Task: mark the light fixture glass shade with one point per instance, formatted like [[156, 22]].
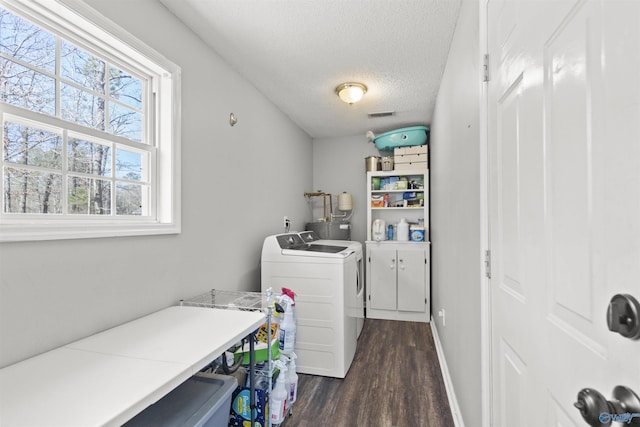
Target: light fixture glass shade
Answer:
[[351, 92]]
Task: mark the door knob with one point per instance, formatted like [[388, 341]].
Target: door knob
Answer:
[[597, 411], [591, 403], [623, 316]]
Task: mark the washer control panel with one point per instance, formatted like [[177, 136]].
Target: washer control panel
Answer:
[[290, 241]]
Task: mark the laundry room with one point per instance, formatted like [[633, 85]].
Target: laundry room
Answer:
[[235, 168]]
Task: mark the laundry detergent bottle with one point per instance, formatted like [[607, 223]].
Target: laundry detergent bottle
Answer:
[[403, 230]]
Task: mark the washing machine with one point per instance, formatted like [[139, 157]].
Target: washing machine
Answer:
[[356, 301], [321, 277]]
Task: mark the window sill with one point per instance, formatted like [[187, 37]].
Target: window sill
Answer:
[[91, 229]]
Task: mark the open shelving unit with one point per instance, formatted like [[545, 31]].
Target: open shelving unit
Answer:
[[398, 272], [245, 301], [392, 213]]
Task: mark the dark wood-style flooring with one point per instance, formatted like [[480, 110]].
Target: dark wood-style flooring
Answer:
[[394, 380]]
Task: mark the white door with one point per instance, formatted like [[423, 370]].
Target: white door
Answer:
[[564, 185], [412, 272], [383, 277]]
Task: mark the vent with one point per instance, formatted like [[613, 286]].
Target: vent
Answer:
[[382, 114]]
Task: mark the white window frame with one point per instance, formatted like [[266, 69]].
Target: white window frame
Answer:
[[77, 22]]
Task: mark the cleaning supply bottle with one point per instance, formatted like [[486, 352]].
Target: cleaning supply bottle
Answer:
[[287, 380], [292, 296], [287, 332], [293, 378], [279, 396], [403, 230], [287, 302]]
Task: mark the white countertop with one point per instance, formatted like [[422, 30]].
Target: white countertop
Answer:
[[108, 378]]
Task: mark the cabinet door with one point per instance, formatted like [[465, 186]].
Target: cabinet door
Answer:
[[383, 278], [412, 279]]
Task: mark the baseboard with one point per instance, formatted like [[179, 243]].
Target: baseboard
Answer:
[[448, 384]]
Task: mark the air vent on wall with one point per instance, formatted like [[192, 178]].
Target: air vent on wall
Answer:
[[382, 114]]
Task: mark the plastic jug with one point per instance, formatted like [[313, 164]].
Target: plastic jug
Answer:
[[379, 230], [403, 230]]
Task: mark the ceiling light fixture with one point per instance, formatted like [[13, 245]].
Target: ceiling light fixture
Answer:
[[351, 92]]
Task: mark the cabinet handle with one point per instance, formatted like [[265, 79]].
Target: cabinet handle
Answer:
[[401, 264], [393, 264]]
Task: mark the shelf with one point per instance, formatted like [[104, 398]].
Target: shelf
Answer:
[[409, 190], [403, 242], [399, 173], [237, 300], [401, 208], [415, 208], [242, 301]]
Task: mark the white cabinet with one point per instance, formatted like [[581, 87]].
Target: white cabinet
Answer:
[[398, 271], [398, 281]]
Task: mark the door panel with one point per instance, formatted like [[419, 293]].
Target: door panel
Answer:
[[512, 352], [411, 279], [513, 371], [509, 209], [383, 278], [558, 416], [570, 72], [564, 187]]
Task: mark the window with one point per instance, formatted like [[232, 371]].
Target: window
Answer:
[[89, 124]]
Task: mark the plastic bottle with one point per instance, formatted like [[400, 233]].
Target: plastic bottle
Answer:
[[288, 297], [287, 380], [403, 230], [293, 379], [279, 396], [287, 332]]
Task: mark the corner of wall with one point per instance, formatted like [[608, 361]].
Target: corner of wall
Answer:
[[456, 212]]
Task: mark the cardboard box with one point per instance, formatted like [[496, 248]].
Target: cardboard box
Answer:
[[260, 351], [377, 201]]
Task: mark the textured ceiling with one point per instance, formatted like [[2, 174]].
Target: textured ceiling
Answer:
[[297, 51]]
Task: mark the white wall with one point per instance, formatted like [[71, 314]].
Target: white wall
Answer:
[[237, 184], [455, 213], [338, 165]]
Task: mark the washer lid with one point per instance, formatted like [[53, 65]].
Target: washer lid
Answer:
[[325, 248], [293, 244]]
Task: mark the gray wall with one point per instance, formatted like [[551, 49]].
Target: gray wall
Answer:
[[235, 191], [455, 213], [338, 165]]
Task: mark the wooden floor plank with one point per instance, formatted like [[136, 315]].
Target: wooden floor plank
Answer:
[[394, 380]]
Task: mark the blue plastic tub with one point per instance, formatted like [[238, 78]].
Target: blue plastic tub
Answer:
[[405, 137]]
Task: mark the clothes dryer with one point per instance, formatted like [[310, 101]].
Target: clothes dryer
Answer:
[[355, 297]]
